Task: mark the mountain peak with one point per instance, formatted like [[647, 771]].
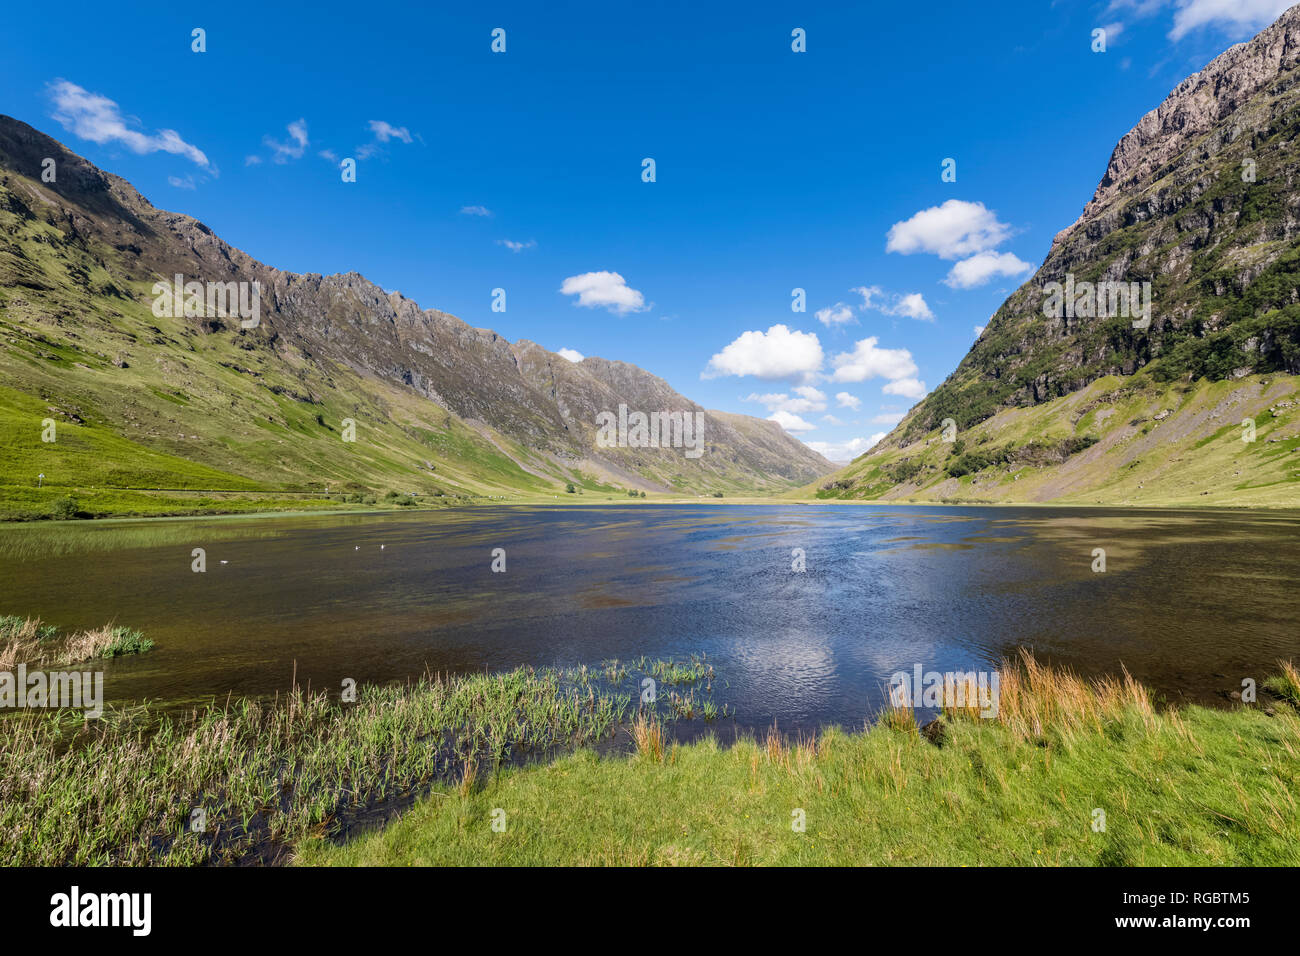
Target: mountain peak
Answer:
[[1197, 105]]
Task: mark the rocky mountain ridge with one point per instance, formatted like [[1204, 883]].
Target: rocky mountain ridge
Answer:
[[78, 260]]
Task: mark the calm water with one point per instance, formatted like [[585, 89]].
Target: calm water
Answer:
[[1190, 602]]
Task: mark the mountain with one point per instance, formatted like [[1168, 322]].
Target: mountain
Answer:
[[156, 413], [1201, 201]]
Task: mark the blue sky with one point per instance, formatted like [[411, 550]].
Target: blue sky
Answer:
[[523, 170]]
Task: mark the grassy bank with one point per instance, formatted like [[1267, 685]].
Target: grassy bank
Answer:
[[1190, 787], [582, 774], [244, 781]]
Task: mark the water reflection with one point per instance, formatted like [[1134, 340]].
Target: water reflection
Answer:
[[1190, 602]]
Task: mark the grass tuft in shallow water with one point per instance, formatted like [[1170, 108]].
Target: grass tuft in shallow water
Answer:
[[28, 641]]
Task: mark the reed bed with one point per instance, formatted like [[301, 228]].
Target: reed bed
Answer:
[[242, 781], [25, 640]]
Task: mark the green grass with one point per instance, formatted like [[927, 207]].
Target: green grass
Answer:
[[1286, 684], [1193, 787], [1102, 445], [126, 640], [124, 789]]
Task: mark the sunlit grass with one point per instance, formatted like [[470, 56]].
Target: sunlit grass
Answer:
[[264, 775], [1070, 773]]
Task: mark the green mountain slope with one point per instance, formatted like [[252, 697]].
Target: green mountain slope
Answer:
[[1200, 200], [153, 414]]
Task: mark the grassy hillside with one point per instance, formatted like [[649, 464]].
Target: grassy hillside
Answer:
[[156, 415], [1118, 441]]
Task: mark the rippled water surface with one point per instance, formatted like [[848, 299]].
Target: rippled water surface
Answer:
[[1190, 603]]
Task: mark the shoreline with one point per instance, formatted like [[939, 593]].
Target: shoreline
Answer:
[[420, 772], [709, 502]]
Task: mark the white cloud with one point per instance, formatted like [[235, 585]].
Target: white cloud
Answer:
[[951, 231], [906, 387], [98, 119], [887, 418], [283, 152], [329, 154], [979, 330], [980, 268], [517, 246], [1237, 16], [383, 132], [179, 183], [832, 420], [252, 160], [845, 400], [808, 399], [790, 422], [778, 353], [867, 361], [913, 306], [386, 131], [869, 292], [838, 314], [607, 290], [475, 211], [573, 355], [844, 451]]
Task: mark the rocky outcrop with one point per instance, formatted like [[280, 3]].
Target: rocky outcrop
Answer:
[[1201, 199]]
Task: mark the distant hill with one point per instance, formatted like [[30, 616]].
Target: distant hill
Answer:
[[201, 413]]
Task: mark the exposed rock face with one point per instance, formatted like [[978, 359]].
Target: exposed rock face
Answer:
[[111, 242], [1197, 105], [1202, 200]]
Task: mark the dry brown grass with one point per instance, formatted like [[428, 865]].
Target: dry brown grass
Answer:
[[649, 736], [1033, 697], [1287, 683], [86, 645], [900, 718], [27, 641], [20, 643], [794, 756]]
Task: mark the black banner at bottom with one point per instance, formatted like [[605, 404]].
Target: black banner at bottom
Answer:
[[334, 906]]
